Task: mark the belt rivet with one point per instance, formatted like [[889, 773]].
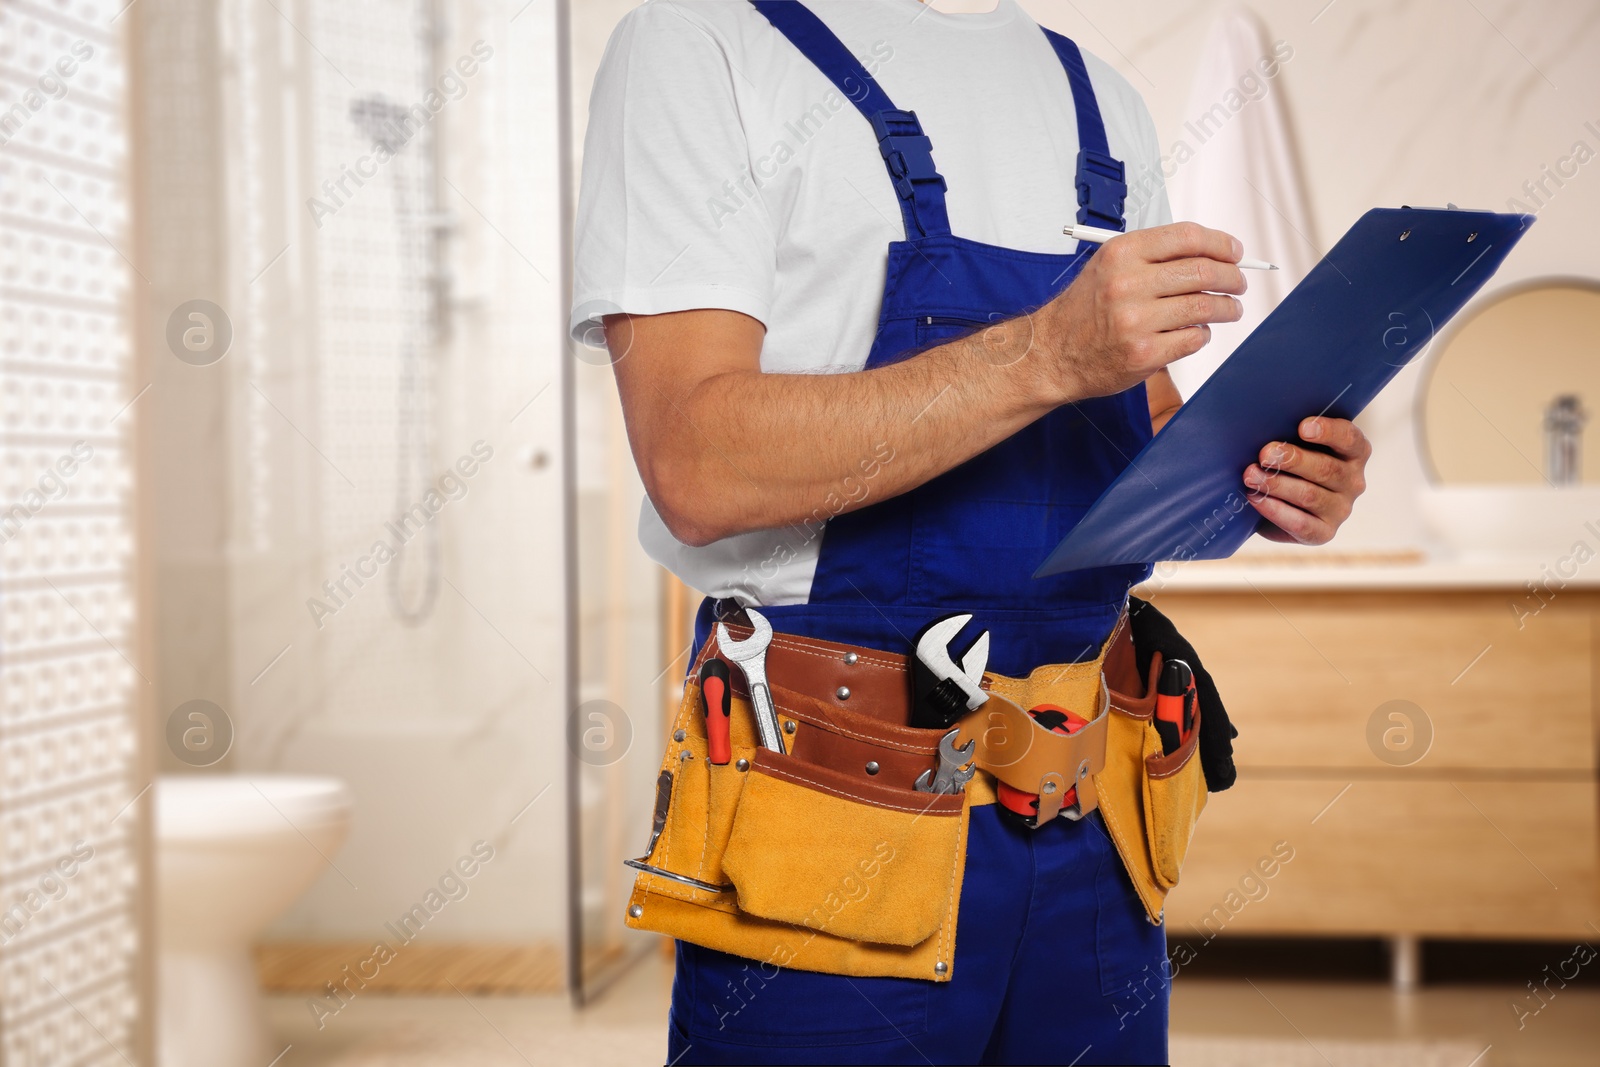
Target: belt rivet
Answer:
[[1048, 787], [850, 659], [685, 755], [941, 967], [678, 735], [636, 911], [788, 727], [872, 767], [743, 765], [843, 692]]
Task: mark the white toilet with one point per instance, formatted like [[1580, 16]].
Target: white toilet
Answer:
[[233, 851]]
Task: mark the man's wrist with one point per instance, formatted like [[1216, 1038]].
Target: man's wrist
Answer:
[[1003, 367], [1018, 349]]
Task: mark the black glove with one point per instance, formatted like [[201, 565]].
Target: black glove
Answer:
[[1153, 632]]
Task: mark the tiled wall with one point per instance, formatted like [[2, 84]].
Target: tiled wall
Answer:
[[72, 949]]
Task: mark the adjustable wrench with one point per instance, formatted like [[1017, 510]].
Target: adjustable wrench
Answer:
[[751, 656], [942, 690]]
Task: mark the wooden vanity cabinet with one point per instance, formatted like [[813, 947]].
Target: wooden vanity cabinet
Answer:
[[1487, 828]]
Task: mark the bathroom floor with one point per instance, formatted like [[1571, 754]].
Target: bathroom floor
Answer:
[[1215, 1022]]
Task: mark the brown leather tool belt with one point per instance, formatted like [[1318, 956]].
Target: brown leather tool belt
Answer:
[[852, 706]]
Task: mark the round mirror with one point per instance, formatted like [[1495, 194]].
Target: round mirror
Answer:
[[1497, 404]]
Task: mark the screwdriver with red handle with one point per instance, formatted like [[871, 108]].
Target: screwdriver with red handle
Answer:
[[1175, 695], [718, 705]]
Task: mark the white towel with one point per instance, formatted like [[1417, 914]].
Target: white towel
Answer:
[[1244, 177]]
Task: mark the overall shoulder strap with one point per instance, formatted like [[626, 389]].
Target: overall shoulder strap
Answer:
[[907, 153], [1101, 180]]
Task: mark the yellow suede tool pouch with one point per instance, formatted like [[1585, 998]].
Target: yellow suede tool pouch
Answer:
[[814, 847], [1174, 793], [1150, 800], [822, 858]]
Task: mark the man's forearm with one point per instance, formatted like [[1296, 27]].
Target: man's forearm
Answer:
[[766, 450], [724, 448]]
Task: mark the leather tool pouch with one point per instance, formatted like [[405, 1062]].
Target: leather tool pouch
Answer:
[[1150, 800], [815, 847], [1174, 793], [824, 858]]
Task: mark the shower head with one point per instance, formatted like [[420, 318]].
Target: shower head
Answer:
[[380, 119]]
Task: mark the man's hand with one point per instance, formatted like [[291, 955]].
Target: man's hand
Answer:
[[1143, 300], [1305, 494]]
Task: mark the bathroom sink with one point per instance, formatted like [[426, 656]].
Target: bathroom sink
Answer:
[[1499, 522]]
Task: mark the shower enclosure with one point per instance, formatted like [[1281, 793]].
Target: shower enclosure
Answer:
[[368, 578]]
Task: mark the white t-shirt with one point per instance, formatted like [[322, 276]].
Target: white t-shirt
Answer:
[[723, 170]]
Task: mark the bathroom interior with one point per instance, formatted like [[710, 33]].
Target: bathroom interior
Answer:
[[334, 678]]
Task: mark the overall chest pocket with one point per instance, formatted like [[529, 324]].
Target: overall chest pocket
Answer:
[[935, 329], [978, 531], [988, 502]]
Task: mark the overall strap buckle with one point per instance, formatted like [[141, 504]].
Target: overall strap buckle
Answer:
[[908, 154], [1102, 190]]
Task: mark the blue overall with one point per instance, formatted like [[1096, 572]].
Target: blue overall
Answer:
[[1055, 962]]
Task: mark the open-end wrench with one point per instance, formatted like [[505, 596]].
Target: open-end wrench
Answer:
[[751, 656], [956, 767]]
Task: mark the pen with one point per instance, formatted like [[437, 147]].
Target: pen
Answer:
[[1096, 235]]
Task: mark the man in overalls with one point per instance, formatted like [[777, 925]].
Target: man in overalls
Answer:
[[857, 443]]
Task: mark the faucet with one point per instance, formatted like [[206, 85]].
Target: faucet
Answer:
[[1563, 439]]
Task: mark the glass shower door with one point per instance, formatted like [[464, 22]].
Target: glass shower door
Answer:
[[627, 617]]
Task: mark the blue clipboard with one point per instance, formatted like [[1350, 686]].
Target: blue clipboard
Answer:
[[1366, 310]]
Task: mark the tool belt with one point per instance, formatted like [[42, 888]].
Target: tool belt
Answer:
[[827, 857]]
